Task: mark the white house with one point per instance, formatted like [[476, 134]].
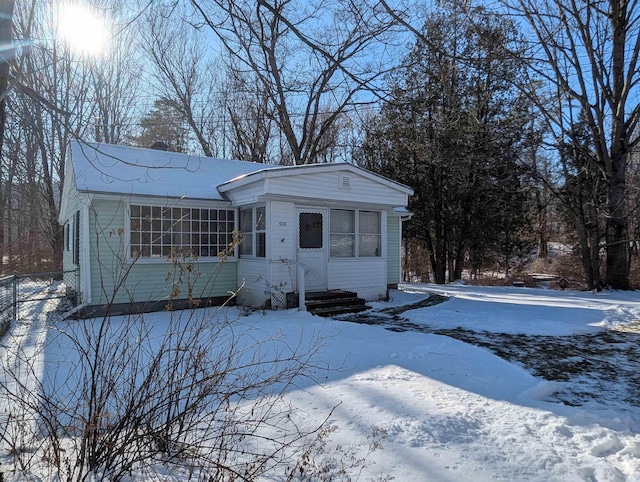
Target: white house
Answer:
[[144, 226]]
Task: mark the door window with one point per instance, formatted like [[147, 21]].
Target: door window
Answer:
[[310, 230]]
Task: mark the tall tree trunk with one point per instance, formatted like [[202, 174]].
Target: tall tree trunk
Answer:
[[617, 228], [438, 260], [595, 258], [6, 40], [586, 255], [618, 222], [459, 262]]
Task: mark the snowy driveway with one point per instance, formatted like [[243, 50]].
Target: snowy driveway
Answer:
[[601, 367]]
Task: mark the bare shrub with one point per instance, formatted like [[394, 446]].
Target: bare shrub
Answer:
[[570, 267], [195, 391], [196, 394]]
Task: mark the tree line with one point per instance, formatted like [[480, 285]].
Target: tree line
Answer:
[[515, 121]]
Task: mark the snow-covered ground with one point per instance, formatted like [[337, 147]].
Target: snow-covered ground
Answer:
[[453, 411]]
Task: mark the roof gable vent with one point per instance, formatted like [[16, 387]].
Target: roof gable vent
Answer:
[[344, 182]]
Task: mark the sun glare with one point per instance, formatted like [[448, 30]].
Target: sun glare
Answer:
[[82, 29]]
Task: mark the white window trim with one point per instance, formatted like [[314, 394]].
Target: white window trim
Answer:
[[254, 232], [356, 248]]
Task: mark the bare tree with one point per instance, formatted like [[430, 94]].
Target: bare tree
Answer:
[[186, 75], [311, 63], [587, 53], [6, 57], [7, 51], [115, 79], [55, 94], [251, 117], [50, 99]]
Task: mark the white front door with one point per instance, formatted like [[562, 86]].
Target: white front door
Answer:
[[312, 247]]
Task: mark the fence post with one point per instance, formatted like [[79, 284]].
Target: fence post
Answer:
[[77, 286], [302, 305], [15, 296]]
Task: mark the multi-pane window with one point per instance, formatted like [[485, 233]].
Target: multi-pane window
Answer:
[[161, 232], [369, 233], [260, 231], [246, 228], [343, 233], [349, 225], [253, 229]]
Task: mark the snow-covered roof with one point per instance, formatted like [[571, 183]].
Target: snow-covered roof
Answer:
[[114, 169]]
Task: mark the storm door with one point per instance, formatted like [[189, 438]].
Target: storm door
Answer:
[[312, 247]]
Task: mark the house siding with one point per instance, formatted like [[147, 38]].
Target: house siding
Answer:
[[365, 276], [269, 279], [325, 186], [253, 281], [282, 256], [393, 250], [115, 279], [283, 235], [73, 205]]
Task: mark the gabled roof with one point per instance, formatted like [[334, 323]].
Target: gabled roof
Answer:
[[114, 169], [121, 170], [282, 171]]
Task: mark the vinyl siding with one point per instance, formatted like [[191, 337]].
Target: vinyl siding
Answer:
[[326, 187], [253, 279], [73, 205], [282, 226], [320, 186], [365, 276], [393, 249], [114, 278]]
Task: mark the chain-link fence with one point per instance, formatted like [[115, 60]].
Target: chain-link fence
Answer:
[[8, 302], [22, 288]]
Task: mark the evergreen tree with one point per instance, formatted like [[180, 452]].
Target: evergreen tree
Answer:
[[163, 124], [451, 129]]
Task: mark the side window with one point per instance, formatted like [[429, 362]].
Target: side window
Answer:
[[355, 233], [254, 234], [369, 234], [67, 236], [246, 228], [343, 233], [76, 238], [261, 233], [164, 232]]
